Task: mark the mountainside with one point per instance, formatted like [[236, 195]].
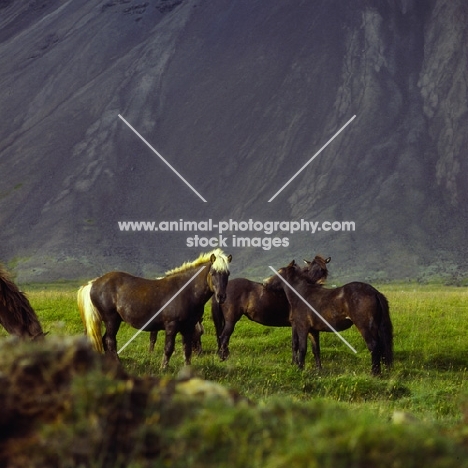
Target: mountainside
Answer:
[[237, 96]]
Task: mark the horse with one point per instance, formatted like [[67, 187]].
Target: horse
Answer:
[[355, 303], [16, 314], [174, 303], [265, 306]]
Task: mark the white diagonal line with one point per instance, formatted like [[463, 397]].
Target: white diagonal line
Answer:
[[313, 310], [312, 158], [162, 159], [160, 310]]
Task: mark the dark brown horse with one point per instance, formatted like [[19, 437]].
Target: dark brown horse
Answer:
[[16, 314], [354, 303], [174, 303], [265, 306]]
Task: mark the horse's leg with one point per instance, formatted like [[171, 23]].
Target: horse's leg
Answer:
[[169, 345], [109, 340], [376, 356], [370, 335], [315, 341], [153, 338], [228, 329], [295, 346], [187, 337], [301, 345], [218, 320], [196, 340]]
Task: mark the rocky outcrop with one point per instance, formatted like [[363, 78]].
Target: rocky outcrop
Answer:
[[443, 84], [237, 98]]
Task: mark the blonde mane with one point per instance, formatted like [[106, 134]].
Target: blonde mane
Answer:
[[221, 263]]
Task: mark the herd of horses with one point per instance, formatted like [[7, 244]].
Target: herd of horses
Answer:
[[175, 303]]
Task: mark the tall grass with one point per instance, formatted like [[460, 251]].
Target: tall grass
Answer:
[[429, 377], [344, 412]]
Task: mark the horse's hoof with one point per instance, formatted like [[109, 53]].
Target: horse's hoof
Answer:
[[222, 357]]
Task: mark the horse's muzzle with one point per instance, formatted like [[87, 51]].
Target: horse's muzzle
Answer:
[[220, 298]]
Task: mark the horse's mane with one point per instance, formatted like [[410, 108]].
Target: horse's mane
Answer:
[[221, 263], [9, 292], [17, 304]]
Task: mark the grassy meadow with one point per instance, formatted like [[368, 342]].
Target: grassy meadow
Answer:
[[340, 408]]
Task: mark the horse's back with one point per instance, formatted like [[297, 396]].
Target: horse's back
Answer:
[[106, 287], [360, 288], [132, 297], [238, 291], [357, 291], [365, 302], [261, 305], [117, 279], [241, 285], [348, 301]]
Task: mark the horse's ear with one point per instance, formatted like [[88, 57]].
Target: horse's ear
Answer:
[[327, 260], [213, 258], [293, 263], [229, 258]]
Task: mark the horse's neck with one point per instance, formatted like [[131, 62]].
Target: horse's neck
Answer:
[[200, 285], [266, 290], [304, 287]]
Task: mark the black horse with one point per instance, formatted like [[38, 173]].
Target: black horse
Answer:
[[354, 303], [174, 303], [16, 314], [265, 306]]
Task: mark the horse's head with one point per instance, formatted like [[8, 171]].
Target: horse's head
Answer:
[[275, 283], [39, 337], [316, 270], [219, 274]]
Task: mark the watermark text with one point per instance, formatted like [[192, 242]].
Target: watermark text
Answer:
[[202, 230]]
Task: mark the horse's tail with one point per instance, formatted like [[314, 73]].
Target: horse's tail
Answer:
[[90, 316], [218, 318], [385, 331]]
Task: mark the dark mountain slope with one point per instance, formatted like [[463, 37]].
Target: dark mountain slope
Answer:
[[237, 96]]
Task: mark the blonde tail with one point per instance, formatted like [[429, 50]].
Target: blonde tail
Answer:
[[90, 316]]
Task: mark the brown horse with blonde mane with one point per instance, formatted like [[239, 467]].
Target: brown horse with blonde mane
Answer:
[[16, 314], [174, 303]]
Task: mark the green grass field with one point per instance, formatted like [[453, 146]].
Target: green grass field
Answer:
[[429, 378], [428, 383]]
